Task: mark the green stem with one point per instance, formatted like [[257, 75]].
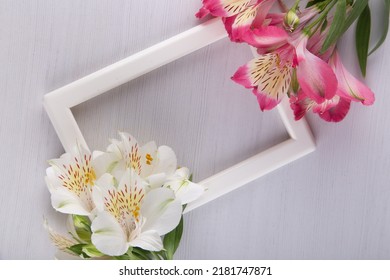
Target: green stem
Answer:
[[320, 19], [157, 256], [296, 5]]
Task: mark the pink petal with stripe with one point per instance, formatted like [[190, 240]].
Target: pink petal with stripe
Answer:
[[266, 37], [333, 110], [238, 25], [315, 76], [263, 12], [350, 87], [300, 104], [268, 76]]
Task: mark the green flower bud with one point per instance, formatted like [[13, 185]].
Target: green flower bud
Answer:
[[91, 251], [81, 221], [82, 227], [291, 20]]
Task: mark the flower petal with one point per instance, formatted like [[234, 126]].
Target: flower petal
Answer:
[[131, 152], [185, 190], [315, 43], [129, 196], [265, 102], [266, 37], [116, 147], [51, 179], [245, 74], [148, 158], [300, 104], [108, 236], [148, 240], [161, 210], [268, 77], [315, 76], [104, 162], [181, 173], [70, 180], [105, 180], [202, 13], [103, 187], [335, 111], [263, 12], [350, 87], [156, 180], [238, 25], [167, 162], [67, 202], [222, 8]]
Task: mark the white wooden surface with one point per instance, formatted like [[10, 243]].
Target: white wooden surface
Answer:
[[332, 204]]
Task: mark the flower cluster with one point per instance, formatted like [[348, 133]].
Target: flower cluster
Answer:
[[122, 201], [297, 56]]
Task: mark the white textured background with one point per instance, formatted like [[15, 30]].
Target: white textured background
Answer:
[[332, 204]]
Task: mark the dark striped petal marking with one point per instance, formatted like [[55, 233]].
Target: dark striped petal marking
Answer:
[[269, 76]]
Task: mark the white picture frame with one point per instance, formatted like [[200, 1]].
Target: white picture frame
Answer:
[[58, 104]]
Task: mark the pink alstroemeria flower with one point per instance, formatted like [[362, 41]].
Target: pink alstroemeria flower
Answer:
[[334, 110], [270, 74], [245, 16]]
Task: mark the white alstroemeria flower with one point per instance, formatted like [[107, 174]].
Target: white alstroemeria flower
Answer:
[[184, 189], [70, 180], [153, 164], [130, 216]]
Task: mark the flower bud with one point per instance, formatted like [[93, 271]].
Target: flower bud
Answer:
[[81, 222], [291, 20], [91, 251]]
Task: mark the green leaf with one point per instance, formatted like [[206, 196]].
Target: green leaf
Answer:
[[363, 29], [139, 254], [122, 257], [78, 250], [172, 240], [335, 30], [357, 9], [385, 26], [324, 25]]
